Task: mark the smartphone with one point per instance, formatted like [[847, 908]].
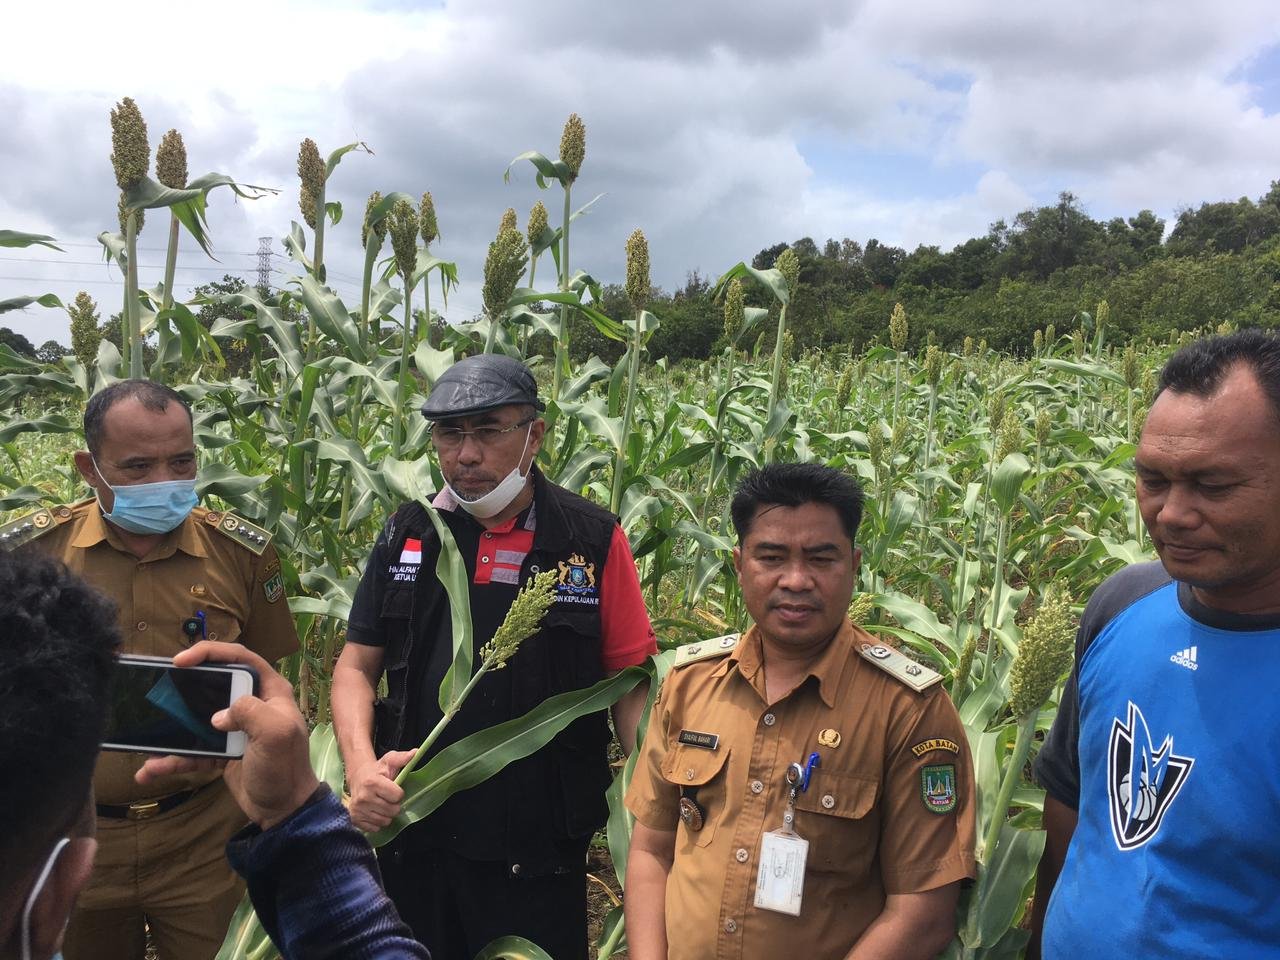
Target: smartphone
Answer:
[[156, 707]]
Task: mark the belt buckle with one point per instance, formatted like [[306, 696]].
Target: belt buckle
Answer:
[[143, 809]]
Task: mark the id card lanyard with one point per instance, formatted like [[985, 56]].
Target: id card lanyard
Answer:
[[780, 881]]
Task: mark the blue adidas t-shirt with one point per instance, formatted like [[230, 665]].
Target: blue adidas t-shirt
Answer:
[[1165, 745]]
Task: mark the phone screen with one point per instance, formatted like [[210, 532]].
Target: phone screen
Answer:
[[157, 707]]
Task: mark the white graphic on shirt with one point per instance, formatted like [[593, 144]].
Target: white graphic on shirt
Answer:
[[1186, 658], [1142, 782]]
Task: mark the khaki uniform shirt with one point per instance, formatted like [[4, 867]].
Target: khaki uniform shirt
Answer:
[[195, 567], [889, 809]]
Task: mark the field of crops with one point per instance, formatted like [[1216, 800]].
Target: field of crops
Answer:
[[1000, 490]]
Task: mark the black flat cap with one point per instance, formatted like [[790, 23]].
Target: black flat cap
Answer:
[[476, 384]]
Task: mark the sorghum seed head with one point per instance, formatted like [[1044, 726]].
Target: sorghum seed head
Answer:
[[1102, 313], [573, 145], [403, 227], [967, 349], [637, 270], [427, 220], [1010, 438], [1130, 369], [508, 221], [788, 264], [130, 152], [844, 388], [875, 446], [1044, 423], [995, 411], [123, 215], [537, 222], [171, 161], [932, 365], [1044, 654], [860, 608], [522, 620], [502, 269], [379, 231], [898, 327], [311, 174], [734, 309]]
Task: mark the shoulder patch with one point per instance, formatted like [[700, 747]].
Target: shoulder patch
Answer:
[[248, 535], [31, 526], [899, 666], [704, 650]]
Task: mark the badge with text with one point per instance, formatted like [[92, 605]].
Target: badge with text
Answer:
[[780, 880], [693, 738], [935, 743], [577, 581], [938, 787]]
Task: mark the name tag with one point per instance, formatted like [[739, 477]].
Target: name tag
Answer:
[[693, 738], [780, 881]]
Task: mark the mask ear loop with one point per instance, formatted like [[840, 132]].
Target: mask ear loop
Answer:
[[36, 891]]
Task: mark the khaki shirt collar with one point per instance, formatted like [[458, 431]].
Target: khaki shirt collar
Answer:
[[748, 659], [94, 529]]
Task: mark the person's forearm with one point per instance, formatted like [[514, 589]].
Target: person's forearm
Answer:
[[314, 883], [901, 936], [626, 715], [351, 699], [645, 906]]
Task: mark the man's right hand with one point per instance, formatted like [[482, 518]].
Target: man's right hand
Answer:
[[375, 796]]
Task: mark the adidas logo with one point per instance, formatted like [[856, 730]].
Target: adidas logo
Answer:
[[1186, 658]]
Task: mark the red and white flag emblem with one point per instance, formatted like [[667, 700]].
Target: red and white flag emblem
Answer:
[[412, 552]]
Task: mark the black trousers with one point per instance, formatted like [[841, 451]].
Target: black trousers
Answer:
[[456, 906]]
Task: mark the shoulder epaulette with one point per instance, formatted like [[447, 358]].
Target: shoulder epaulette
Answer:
[[248, 535], [704, 650], [31, 526], [899, 666]]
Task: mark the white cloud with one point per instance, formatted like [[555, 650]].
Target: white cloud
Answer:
[[698, 116]]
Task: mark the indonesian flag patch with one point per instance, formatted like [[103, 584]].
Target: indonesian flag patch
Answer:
[[412, 552]]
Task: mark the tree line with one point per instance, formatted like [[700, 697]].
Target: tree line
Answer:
[[1220, 263]]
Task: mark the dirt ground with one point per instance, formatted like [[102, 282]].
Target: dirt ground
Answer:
[[599, 901]]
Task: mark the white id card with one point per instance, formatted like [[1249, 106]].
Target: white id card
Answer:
[[780, 883]]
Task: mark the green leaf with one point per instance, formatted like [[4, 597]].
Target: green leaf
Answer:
[[15, 238], [51, 424], [477, 757], [326, 759], [21, 303], [546, 169], [770, 279], [451, 571], [221, 480], [1006, 485], [336, 157], [512, 948]]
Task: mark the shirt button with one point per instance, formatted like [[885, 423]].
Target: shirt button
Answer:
[[688, 774], [828, 801], [730, 926], [741, 855], [488, 536], [484, 559], [142, 624], [757, 786], [516, 868], [770, 719]]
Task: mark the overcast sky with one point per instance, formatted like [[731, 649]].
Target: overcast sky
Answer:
[[717, 127]]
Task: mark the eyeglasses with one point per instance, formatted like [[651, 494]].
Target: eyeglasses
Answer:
[[450, 438]]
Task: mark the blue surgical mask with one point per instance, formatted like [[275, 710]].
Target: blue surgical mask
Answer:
[[41, 880], [150, 508]]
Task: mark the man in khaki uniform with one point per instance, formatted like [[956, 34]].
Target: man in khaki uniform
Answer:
[[177, 572], [866, 856]]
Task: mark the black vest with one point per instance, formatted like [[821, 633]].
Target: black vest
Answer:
[[558, 793]]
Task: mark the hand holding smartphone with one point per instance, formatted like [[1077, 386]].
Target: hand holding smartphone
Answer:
[[156, 707], [274, 776]]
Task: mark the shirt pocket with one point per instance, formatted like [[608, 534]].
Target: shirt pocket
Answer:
[[221, 624], [397, 608], [838, 816], [704, 774]]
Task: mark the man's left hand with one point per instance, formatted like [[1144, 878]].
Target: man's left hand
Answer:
[[274, 778]]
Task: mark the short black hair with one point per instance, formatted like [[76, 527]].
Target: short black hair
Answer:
[[58, 639], [155, 397], [793, 485], [1200, 367]]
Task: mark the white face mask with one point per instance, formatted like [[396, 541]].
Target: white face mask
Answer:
[[41, 880], [500, 497]]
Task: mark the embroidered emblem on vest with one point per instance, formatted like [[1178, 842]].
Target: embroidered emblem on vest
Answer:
[[577, 581]]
